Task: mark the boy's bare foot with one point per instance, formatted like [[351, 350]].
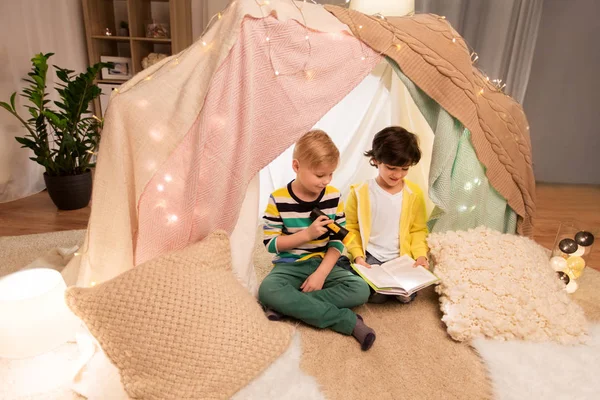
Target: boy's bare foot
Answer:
[[364, 334]]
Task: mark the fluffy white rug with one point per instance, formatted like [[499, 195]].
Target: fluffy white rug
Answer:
[[283, 379], [525, 370], [48, 377]]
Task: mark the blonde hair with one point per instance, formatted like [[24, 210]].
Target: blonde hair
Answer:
[[316, 148]]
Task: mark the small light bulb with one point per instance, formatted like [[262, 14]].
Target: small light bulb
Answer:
[[93, 284], [219, 16], [173, 218], [481, 91], [306, 37], [453, 40], [268, 39], [168, 178], [363, 58], [76, 254], [276, 73], [398, 46], [203, 43], [360, 27], [149, 77], [160, 187]]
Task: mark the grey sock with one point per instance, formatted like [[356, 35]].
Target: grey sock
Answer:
[[378, 298], [364, 334], [273, 315]]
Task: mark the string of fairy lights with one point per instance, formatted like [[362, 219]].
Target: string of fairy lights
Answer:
[[495, 84]]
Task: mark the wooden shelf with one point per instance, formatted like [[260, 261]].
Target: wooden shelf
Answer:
[[111, 81], [100, 15], [118, 38], [154, 40]]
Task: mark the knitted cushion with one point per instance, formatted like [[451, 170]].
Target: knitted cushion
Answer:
[[502, 286], [180, 326]]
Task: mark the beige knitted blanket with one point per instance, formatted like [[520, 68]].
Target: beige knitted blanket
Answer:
[[436, 58]]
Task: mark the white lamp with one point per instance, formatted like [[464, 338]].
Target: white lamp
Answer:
[[34, 317], [389, 8]]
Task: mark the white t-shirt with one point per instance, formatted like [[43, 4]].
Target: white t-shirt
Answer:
[[386, 209]]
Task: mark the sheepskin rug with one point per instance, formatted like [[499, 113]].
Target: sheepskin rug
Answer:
[[501, 286], [524, 370]]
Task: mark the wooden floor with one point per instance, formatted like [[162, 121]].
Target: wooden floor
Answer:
[[555, 203]]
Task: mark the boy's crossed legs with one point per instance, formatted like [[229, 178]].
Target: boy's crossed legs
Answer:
[[326, 308]]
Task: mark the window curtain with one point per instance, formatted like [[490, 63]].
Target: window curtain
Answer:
[[502, 33]]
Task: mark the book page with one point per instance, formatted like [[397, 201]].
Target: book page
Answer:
[[407, 277], [376, 275]]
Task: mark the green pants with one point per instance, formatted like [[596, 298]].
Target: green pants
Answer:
[[325, 308]]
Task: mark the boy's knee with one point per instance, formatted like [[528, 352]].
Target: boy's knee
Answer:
[[268, 290], [360, 289], [264, 291]]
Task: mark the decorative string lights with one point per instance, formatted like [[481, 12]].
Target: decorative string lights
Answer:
[[304, 66], [496, 84]]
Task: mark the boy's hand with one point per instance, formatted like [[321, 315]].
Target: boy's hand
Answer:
[[421, 261], [361, 261], [314, 282], [317, 228]]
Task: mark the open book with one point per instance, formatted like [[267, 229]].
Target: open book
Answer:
[[397, 276]]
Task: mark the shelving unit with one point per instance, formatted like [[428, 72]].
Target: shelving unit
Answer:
[[99, 15]]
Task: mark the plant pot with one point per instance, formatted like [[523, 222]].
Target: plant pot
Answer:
[[70, 192]]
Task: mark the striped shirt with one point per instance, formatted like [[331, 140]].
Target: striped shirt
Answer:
[[286, 214]]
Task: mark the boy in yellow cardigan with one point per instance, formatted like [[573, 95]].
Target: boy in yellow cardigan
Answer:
[[387, 214]]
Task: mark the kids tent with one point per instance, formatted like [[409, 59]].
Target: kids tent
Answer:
[[184, 140]]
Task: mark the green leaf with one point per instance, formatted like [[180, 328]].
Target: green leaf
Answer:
[[6, 106], [26, 142]]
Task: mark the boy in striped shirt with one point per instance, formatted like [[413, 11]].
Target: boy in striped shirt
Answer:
[[306, 283]]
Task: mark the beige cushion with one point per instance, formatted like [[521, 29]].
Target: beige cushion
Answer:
[[180, 326], [502, 286]]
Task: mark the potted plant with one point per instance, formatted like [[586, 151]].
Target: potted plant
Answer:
[[65, 139]]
